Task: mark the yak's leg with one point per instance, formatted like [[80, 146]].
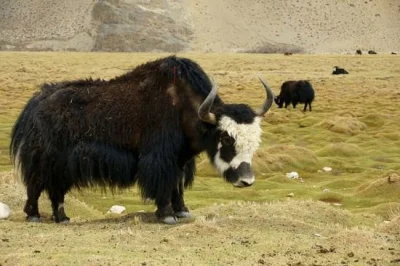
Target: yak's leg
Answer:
[[287, 103], [32, 207], [158, 176], [178, 204], [309, 106], [165, 212], [305, 107], [57, 204]]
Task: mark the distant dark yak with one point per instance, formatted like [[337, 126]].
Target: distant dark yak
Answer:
[[393, 53], [371, 52], [288, 53], [339, 71], [296, 91], [145, 127], [358, 52]]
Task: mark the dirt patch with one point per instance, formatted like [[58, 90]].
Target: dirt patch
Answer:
[[284, 233]]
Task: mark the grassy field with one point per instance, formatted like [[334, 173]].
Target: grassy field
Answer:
[[349, 216]]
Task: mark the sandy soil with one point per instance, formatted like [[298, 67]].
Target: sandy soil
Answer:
[[319, 26]]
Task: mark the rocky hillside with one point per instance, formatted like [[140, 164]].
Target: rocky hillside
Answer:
[[314, 26]]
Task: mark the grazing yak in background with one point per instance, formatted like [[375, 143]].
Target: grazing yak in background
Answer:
[[288, 53], [145, 127], [371, 52], [339, 71], [358, 52], [296, 91], [393, 53]]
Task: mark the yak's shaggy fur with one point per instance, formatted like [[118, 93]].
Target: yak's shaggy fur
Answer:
[[142, 127]]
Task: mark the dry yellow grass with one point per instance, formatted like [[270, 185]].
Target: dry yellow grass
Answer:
[[353, 128]]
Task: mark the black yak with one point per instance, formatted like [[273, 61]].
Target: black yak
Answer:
[[371, 52], [339, 71], [358, 52], [296, 91], [145, 127]]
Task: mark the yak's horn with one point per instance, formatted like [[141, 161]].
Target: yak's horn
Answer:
[[268, 102], [204, 109]]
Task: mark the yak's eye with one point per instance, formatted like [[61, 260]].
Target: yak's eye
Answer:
[[227, 141]]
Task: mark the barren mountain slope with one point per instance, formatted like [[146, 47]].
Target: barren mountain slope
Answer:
[[206, 25]]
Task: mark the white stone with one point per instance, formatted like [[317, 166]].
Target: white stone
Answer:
[[292, 175], [117, 209], [327, 169], [326, 190], [5, 211], [290, 195]]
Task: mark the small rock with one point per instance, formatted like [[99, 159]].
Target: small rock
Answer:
[[337, 204], [326, 190], [117, 209], [5, 211], [261, 261], [317, 235], [290, 195], [323, 250], [292, 175], [327, 169], [351, 254]]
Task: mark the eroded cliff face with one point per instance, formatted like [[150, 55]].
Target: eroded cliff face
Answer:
[[315, 26], [140, 26], [87, 25]]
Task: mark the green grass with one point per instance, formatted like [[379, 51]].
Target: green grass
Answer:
[[353, 128]]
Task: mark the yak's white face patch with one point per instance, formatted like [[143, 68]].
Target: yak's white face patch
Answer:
[[247, 141]]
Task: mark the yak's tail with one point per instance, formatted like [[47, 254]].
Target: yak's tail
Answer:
[[23, 132]]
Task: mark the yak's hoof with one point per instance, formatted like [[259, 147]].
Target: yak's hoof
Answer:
[[183, 214], [33, 219], [63, 220], [169, 220]]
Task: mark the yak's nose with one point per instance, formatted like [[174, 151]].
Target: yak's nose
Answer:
[[244, 182]]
